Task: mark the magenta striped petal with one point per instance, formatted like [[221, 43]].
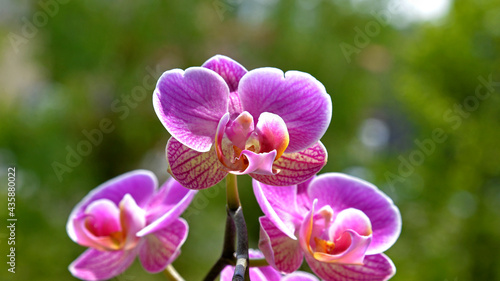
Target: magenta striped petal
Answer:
[[341, 192], [190, 104], [278, 203], [376, 268], [101, 265], [281, 252], [161, 248], [192, 169], [295, 168], [228, 68], [295, 96], [300, 276]]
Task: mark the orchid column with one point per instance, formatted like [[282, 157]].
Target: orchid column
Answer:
[[226, 120]]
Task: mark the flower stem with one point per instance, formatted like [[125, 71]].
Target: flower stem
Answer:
[[172, 274], [235, 228], [232, 196]]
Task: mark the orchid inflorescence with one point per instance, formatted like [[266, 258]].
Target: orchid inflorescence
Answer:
[[226, 121]]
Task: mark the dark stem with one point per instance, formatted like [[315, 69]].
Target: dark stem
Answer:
[[227, 256], [241, 270], [235, 226]]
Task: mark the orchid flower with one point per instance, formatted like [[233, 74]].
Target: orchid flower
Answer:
[[341, 224], [125, 217], [224, 119], [266, 273]]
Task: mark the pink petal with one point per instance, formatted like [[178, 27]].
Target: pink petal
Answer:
[[295, 168], [93, 229], [278, 203], [140, 184], [342, 192], [239, 129], [190, 104], [171, 207], [172, 195], [295, 96], [103, 217], [132, 219], [281, 252], [101, 265], [375, 268], [300, 276], [192, 169], [354, 249], [228, 68], [272, 134], [161, 248], [258, 163]]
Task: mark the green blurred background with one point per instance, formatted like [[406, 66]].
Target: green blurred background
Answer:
[[415, 90]]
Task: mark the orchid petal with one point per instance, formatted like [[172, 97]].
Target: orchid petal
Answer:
[[300, 276], [281, 252], [295, 168], [375, 268], [95, 227], [132, 219], [295, 96], [167, 205], [102, 217], [278, 204], [140, 184], [258, 163], [190, 104], [192, 169], [272, 134], [230, 70], [161, 248], [350, 192], [239, 129], [101, 265]]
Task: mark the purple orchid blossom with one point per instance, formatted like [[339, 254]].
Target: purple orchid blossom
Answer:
[[125, 217], [225, 119], [341, 224], [266, 273]]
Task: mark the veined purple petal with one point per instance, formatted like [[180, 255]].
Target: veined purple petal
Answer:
[[161, 248], [281, 252], [170, 201], [228, 68], [172, 209], [342, 192], [375, 268], [101, 265], [193, 169], [278, 203], [295, 96], [300, 276], [295, 168], [190, 104], [140, 184]]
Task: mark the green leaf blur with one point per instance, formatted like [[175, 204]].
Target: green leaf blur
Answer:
[[416, 111]]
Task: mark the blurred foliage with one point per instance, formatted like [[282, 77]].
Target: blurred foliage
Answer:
[[89, 61]]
